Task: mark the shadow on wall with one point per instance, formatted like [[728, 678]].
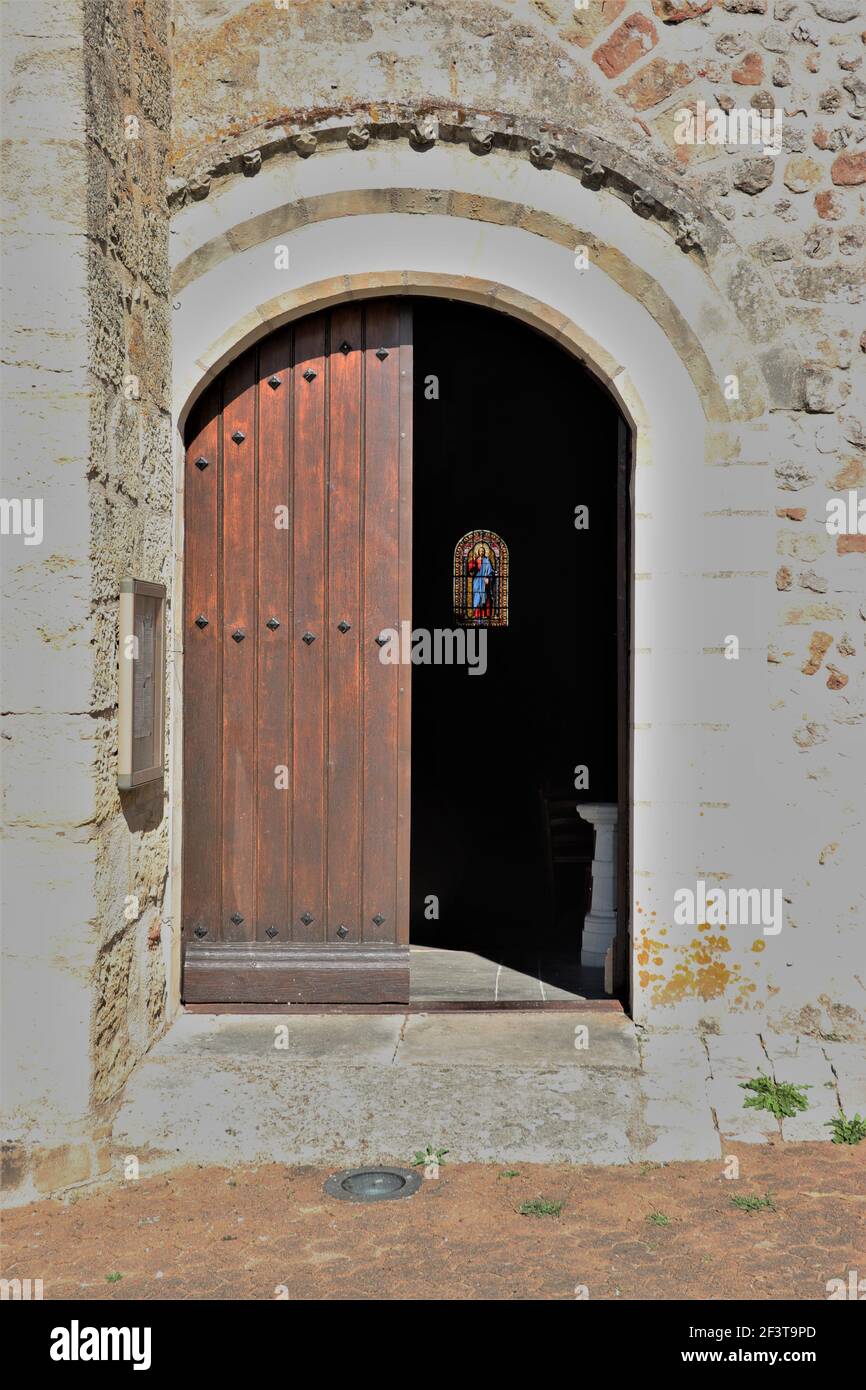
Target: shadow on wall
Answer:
[[143, 807]]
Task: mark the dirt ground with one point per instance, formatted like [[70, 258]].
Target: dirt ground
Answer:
[[637, 1232]]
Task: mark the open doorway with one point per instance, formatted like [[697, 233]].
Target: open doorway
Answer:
[[298, 871], [511, 435]]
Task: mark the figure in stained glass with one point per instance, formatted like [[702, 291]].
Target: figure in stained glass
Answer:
[[481, 580]]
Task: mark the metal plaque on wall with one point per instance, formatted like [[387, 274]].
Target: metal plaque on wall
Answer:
[[141, 692]]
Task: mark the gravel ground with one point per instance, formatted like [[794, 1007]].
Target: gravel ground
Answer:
[[635, 1232]]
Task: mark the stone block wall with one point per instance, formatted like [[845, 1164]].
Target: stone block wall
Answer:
[[87, 431]]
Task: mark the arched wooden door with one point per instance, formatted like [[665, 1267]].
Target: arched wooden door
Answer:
[[297, 554]]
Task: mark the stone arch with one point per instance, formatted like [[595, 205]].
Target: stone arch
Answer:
[[638, 224], [647, 317]]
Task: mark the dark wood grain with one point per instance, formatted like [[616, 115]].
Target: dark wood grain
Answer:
[[299, 973], [381, 562], [344, 605], [202, 656], [309, 560], [334, 447], [239, 658], [273, 748]]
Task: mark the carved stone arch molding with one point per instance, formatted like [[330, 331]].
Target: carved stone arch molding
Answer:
[[568, 186]]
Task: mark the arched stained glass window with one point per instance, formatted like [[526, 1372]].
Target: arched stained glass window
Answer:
[[481, 580]]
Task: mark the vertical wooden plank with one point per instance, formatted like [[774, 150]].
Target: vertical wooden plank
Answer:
[[309, 560], [381, 560], [344, 584], [404, 750], [273, 756], [201, 665], [239, 656]]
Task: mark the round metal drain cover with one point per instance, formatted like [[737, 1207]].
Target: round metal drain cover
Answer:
[[373, 1184]]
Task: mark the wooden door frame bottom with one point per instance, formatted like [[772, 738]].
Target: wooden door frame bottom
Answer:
[[240, 973]]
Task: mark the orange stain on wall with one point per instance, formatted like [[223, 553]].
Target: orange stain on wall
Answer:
[[700, 973]]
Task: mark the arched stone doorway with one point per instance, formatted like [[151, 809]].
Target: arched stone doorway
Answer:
[[652, 319], [667, 403], [298, 738]]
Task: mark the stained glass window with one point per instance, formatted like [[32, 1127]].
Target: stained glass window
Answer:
[[481, 580]]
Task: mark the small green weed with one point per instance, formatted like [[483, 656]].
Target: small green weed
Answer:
[[540, 1206], [658, 1218], [429, 1155], [754, 1203], [847, 1131], [782, 1098]]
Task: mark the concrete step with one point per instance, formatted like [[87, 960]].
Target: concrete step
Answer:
[[574, 1087], [347, 1089]]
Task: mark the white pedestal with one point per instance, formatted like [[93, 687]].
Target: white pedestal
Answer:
[[599, 929]]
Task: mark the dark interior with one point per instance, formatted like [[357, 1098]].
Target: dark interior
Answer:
[[519, 436]]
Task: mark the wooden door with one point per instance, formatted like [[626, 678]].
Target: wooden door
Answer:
[[297, 555]]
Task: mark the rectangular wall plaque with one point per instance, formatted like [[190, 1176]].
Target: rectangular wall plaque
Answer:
[[141, 691]]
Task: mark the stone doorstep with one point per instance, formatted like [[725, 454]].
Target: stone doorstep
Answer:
[[236, 1111], [507, 1038], [493, 1087], [544, 1040], [486, 1086], [337, 1038]]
